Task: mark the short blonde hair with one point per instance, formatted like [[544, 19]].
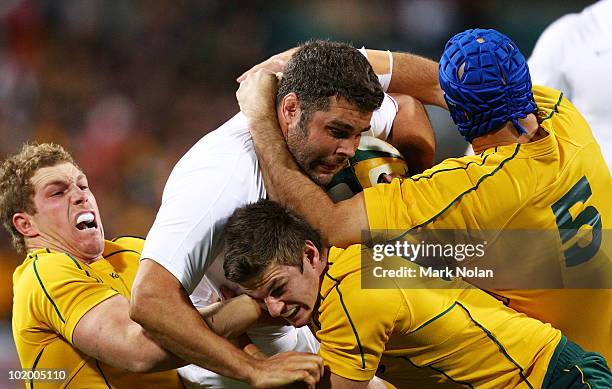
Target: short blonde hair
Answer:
[[16, 190]]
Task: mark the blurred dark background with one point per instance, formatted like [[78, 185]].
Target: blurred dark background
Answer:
[[129, 86]]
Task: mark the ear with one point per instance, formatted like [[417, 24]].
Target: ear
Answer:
[[312, 256], [289, 109], [25, 225]]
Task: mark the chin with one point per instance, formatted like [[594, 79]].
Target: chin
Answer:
[[321, 179], [303, 319]]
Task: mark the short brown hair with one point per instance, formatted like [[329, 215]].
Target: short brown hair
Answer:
[[321, 69], [264, 233], [16, 190]]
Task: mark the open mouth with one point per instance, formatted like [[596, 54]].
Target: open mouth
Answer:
[[290, 312], [86, 221]]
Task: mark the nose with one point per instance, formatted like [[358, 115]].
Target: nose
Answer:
[[78, 195], [274, 306], [347, 147]]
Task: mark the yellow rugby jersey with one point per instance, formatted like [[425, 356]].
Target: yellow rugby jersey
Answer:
[[560, 183], [455, 331], [52, 292]]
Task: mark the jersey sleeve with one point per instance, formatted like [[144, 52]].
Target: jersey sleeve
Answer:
[[445, 192], [386, 208], [383, 118], [383, 79], [64, 291], [351, 342], [198, 199]]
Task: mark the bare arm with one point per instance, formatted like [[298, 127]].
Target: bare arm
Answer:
[[107, 333], [412, 134], [418, 77], [340, 224], [162, 307], [411, 74], [231, 318]]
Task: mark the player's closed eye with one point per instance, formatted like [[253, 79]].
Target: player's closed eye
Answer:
[[278, 291], [339, 134]]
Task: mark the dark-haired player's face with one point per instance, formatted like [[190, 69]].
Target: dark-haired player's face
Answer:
[[323, 145], [287, 292]]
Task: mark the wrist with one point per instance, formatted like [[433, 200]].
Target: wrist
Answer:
[[252, 370], [264, 128]]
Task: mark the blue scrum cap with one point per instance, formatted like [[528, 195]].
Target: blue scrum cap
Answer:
[[486, 82]]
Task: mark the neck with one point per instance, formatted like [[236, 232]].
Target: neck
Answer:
[[39, 244], [508, 134]]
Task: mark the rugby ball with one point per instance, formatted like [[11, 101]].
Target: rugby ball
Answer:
[[373, 159]]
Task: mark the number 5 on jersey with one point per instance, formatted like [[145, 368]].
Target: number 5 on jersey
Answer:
[[569, 226]]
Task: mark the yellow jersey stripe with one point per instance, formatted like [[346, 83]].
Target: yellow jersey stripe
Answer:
[[78, 265], [121, 251], [555, 109], [42, 285], [115, 239], [460, 196], [481, 163], [469, 385], [501, 347], [352, 325], [102, 374], [434, 318], [34, 366]]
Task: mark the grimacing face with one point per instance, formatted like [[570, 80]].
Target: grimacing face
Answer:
[[286, 292], [328, 140], [67, 216]]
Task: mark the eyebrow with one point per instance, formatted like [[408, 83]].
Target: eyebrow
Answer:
[[63, 182], [56, 182], [345, 126]]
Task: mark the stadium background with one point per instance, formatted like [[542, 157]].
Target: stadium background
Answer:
[[129, 86]]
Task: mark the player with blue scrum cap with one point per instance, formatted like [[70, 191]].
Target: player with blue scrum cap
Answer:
[[538, 168], [486, 83]]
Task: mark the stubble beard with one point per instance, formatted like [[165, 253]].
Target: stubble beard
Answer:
[[297, 142]]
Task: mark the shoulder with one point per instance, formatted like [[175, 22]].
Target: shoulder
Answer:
[[124, 242], [53, 262], [44, 271], [222, 141], [224, 157], [549, 100], [564, 24], [343, 285]]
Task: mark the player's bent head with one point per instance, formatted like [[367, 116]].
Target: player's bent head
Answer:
[[16, 189], [321, 69], [262, 234], [486, 82]]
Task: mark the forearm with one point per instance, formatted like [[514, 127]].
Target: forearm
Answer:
[[108, 334], [287, 184], [149, 355], [411, 75], [199, 345], [413, 135], [231, 318], [163, 309]]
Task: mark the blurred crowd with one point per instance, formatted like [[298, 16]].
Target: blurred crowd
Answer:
[[129, 86]]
